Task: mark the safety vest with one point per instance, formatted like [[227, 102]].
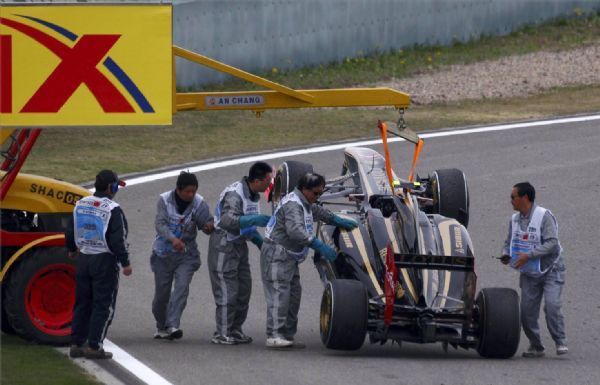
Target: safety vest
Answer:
[[176, 222], [91, 217], [308, 223], [529, 240], [249, 208]]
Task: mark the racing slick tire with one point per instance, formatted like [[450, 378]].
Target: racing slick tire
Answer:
[[450, 194], [499, 322], [287, 177], [40, 294], [343, 319]]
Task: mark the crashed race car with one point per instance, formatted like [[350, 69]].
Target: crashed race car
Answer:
[[406, 273]]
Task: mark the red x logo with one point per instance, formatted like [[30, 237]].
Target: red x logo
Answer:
[[77, 66]]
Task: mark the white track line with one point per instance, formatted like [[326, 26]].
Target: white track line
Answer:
[[135, 366], [146, 374], [333, 147]]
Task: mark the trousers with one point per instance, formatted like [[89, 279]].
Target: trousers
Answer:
[[96, 287], [549, 286], [231, 281], [173, 274], [283, 292]]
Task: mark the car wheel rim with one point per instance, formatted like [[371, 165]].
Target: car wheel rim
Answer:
[[326, 309], [49, 299]]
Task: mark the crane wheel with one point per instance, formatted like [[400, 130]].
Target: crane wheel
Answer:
[[40, 294]]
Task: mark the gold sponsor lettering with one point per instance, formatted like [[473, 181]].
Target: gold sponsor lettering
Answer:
[[346, 239], [458, 237]]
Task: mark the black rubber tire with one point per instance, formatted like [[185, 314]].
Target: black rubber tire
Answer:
[[16, 299], [499, 322], [450, 194], [287, 177], [344, 310], [5, 325]]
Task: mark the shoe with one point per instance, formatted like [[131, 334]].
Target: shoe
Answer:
[[174, 333], [94, 354], [561, 349], [76, 351], [223, 340], [161, 334], [278, 342], [239, 337], [533, 352]]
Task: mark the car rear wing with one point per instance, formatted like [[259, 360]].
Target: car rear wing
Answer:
[[435, 262]]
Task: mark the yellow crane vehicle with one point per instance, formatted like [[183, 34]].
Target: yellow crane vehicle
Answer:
[[37, 277]]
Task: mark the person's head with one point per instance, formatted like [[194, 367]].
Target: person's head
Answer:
[[311, 185], [187, 185], [260, 176], [108, 181], [522, 197]]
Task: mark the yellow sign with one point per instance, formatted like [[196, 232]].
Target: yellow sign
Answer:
[[85, 65]]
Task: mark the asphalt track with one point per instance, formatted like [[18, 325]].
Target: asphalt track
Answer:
[[561, 160]]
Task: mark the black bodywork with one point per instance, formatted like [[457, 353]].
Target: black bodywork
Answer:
[[431, 297]]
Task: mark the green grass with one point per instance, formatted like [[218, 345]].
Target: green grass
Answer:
[[576, 31], [76, 155], [24, 363]]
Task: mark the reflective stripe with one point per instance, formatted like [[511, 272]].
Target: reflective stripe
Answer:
[[91, 217], [224, 295], [111, 312]]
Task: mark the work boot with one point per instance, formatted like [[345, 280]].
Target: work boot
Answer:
[[76, 351], [97, 354], [533, 352], [174, 333], [240, 337]]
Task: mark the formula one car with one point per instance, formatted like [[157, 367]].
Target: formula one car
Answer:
[[406, 273]]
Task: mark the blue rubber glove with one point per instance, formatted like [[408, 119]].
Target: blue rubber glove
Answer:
[[324, 249], [257, 239], [254, 220], [344, 223]]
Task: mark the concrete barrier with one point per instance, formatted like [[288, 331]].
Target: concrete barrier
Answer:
[[257, 35]]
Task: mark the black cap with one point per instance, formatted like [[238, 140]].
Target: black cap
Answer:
[[105, 178]]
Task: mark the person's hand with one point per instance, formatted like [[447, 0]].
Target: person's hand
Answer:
[[325, 250], [127, 270], [73, 254], [259, 220], [208, 228], [505, 259], [178, 244], [523, 258], [344, 223], [257, 239]]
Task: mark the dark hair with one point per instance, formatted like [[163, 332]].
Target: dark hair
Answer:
[[186, 179], [310, 181], [525, 188], [104, 179], [259, 170]]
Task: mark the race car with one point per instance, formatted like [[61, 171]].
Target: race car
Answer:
[[406, 273]]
